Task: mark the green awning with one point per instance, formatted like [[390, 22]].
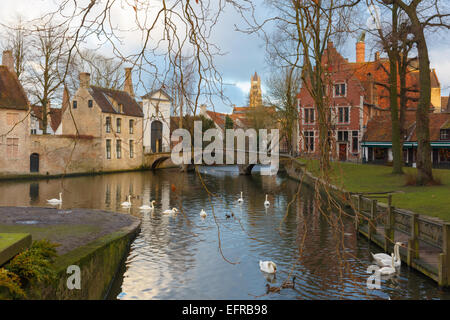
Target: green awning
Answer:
[[440, 144]]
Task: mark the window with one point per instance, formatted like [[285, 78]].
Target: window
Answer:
[[445, 134], [108, 149], [342, 135], [119, 125], [309, 141], [309, 115], [119, 149], [120, 108], [90, 103], [340, 90], [131, 149], [74, 104], [344, 114], [108, 124], [12, 148], [355, 142], [131, 126]]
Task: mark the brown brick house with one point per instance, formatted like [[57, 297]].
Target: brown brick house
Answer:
[[377, 143], [349, 111], [114, 116], [14, 120]]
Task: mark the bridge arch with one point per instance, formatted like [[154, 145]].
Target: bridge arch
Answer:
[[158, 162]]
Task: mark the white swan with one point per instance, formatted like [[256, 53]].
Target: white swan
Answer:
[[384, 260], [266, 203], [146, 207], [268, 266], [56, 201], [241, 200], [203, 214], [170, 211], [397, 262], [126, 204], [385, 271]]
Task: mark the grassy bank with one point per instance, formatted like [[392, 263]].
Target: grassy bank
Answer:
[[432, 201]]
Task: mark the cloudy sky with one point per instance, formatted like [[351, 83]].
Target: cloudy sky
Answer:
[[245, 53]]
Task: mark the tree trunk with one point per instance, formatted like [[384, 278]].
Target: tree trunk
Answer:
[[393, 94], [424, 165], [396, 144]]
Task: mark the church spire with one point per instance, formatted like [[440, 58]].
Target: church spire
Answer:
[[255, 91]]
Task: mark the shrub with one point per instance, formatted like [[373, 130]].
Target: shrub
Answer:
[[33, 264], [10, 284]]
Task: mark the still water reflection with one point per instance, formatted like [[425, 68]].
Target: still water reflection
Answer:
[[179, 257]]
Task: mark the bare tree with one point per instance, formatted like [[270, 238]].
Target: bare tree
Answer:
[[47, 66], [105, 72], [284, 86], [17, 43], [423, 13]]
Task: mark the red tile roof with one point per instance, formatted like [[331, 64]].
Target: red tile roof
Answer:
[[379, 128], [12, 95], [218, 118], [102, 96], [54, 116]]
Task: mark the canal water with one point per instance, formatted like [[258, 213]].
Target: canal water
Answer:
[[186, 257]]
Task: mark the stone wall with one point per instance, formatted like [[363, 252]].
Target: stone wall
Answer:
[[66, 154], [14, 159]]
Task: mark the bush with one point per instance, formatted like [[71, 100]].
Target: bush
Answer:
[[32, 265], [10, 284]]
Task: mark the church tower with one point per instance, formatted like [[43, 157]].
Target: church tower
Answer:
[[255, 91]]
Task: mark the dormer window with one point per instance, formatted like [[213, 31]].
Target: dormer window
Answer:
[[90, 103], [74, 104], [120, 108], [445, 134]]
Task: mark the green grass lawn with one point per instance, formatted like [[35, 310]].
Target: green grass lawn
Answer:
[[432, 201]]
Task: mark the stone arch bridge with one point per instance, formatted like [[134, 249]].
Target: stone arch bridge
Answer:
[[155, 160]]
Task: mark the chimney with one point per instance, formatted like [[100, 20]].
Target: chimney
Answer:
[[8, 61], [128, 86], [360, 51], [85, 80], [377, 56], [203, 109]]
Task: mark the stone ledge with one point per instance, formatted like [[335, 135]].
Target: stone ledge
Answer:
[[12, 244]]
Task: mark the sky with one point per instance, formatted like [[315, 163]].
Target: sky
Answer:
[[245, 53]]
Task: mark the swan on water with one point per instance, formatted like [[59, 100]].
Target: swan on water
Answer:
[[203, 214], [268, 266], [56, 201], [241, 200], [384, 260], [266, 203], [388, 270], [170, 211], [146, 207], [127, 203]]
